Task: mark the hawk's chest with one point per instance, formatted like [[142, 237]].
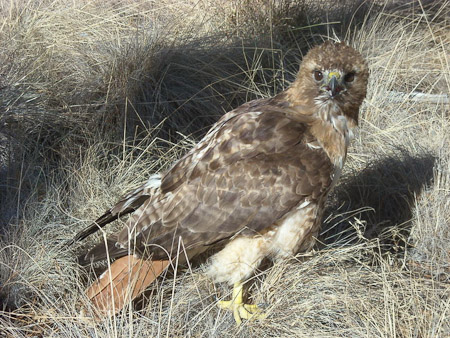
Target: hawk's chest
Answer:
[[333, 132]]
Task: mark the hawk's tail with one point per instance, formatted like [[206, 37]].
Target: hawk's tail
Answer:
[[126, 278]]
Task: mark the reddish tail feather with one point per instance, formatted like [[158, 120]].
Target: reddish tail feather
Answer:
[[126, 278]]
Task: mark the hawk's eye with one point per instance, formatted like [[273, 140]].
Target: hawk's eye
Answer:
[[318, 75], [349, 77]]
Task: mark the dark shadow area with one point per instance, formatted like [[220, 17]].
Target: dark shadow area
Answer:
[[186, 88], [380, 196]]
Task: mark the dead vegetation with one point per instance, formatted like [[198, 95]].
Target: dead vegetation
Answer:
[[95, 97]]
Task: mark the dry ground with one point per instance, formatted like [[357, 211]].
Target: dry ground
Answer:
[[95, 96]]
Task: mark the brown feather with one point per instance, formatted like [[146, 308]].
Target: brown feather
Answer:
[[103, 250], [126, 205], [125, 279]]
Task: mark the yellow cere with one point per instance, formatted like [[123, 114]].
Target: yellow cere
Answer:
[[330, 75]]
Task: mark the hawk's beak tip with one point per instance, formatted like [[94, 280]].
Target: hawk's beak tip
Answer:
[[333, 86]]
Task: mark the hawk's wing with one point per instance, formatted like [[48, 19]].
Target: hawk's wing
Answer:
[[129, 203], [249, 171]]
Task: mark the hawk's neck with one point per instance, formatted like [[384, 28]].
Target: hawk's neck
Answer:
[[333, 130], [329, 124]]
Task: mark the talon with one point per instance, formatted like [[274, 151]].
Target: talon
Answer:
[[239, 309]]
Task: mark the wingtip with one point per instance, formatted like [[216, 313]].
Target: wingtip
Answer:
[[69, 242], [106, 249]]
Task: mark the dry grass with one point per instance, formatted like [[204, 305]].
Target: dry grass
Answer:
[[97, 96]]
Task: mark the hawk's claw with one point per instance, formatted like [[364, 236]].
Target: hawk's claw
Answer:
[[241, 310]]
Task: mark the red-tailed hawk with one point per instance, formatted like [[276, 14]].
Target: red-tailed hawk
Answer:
[[257, 181]]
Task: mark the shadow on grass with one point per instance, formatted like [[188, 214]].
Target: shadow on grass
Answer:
[[376, 199], [185, 88]]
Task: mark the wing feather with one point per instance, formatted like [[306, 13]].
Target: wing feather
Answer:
[[247, 173], [127, 204], [239, 177]]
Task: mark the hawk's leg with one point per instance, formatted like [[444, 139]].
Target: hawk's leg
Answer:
[[240, 310]]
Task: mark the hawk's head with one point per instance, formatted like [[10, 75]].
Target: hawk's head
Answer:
[[333, 76]]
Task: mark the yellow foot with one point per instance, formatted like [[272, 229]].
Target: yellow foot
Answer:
[[241, 310]]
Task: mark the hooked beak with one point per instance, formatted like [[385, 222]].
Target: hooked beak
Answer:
[[333, 86]]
